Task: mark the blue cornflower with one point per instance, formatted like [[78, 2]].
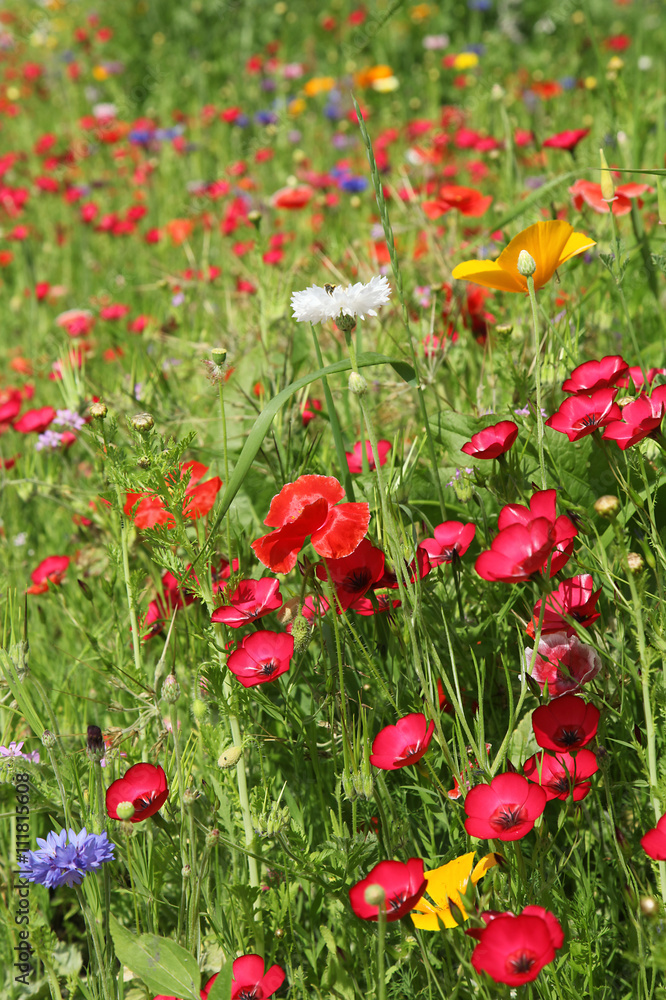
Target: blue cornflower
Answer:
[[354, 185], [265, 118], [62, 863]]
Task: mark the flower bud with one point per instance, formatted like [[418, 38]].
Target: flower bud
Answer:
[[98, 411], [199, 709], [171, 689], [255, 218], [143, 423], [229, 757], [504, 329], [190, 796], [607, 186], [186, 871], [649, 906], [301, 631], [49, 740], [212, 838], [125, 810], [635, 562], [375, 895], [608, 507], [144, 462], [95, 743], [526, 264], [345, 323], [357, 384], [288, 611]]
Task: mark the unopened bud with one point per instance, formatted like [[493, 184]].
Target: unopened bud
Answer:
[[526, 264], [608, 507], [143, 423], [607, 186], [144, 462], [357, 384], [98, 411], [186, 871], [171, 689], [199, 709], [190, 796], [125, 810], [345, 323], [375, 895], [635, 562], [255, 218], [504, 329], [49, 740], [95, 743], [348, 786], [649, 906], [288, 611], [212, 838], [301, 632], [229, 757]]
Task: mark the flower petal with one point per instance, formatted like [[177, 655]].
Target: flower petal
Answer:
[[489, 274]]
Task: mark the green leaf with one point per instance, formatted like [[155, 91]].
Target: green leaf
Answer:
[[221, 988], [265, 419], [162, 964], [452, 431], [19, 689]]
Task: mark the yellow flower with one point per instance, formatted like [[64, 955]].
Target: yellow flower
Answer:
[[447, 883], [296, 107], [549, 243], [100, 73], [386, 84], [466, 60]]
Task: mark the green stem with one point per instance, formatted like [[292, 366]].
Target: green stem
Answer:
[[241, 779], [136, 639], [537, 374], [334, 422], [92, 932], [128, 844], [381, 938], [225, 453], [106, 879]]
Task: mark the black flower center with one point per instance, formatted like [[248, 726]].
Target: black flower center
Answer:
[[571, 737], [507, 816], [268, 668], [522, 961]]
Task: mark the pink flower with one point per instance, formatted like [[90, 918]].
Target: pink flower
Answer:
[[542, 504], [562, 662], [576, 598], [451, 541], [261, 657], [493, 441], [405, 743]]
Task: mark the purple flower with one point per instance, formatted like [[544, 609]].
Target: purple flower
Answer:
[[49, 439], [61, 863], [70, 419], [14, 750]]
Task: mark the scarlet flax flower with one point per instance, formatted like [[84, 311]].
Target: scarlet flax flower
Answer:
[[402, 744], [593, 375], [352, 576], [250, 600], [543, 504], [568, 139], [640, 419], [514, 949], [579, 416], [562, 773], [144, 785], [565, 724], [149, 510], [562, 662], [506, 809], [50, 570], [590, 194], [261, 657], [251, 982], [654, 841], [451, 541], [310, 506], [355, 457], [492, 441], [574, 598], [517, 552], [403, 884], [550, 244]]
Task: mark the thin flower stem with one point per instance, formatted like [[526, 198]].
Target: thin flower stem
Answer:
[[128, 844], [381, 939], [61, 787], [397, 274], [94, 937], [334, 422], [106, 878], [537, 376], [225, 453], [136, 640], [241, 779]]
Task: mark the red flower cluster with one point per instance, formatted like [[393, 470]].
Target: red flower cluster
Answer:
[[451, 541], [252, 599], [149, 510]]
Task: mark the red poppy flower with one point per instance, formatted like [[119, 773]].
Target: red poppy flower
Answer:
[[308, 507], [542, 504], [311, 407], [560, 774], [654, 841], [10, 405], [640, 419], [451, 541], [563, 662], [35, 421], [466, 200], [354, 457], [293, 197], [593, 375], [576, 598], [262, 656], [566, 140], [506, 809], [50, 570], [403, 884], [579, 416], [250, 600], [517, 552], [514, 949], [250, 982], [493, 441], [144, 785], [565, 724], [148, 510], [589, 193], [353, 575], [405, 743]]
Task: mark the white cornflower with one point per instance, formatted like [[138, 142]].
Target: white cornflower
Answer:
[[315, 304]]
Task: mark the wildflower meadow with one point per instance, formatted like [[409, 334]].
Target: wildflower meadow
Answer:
[[332, 500]]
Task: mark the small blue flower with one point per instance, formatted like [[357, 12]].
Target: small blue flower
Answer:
[[61, 863], [265, 118], [354, 185]]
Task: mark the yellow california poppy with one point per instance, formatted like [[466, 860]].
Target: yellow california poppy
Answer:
[[447, 883], [549, 243]]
